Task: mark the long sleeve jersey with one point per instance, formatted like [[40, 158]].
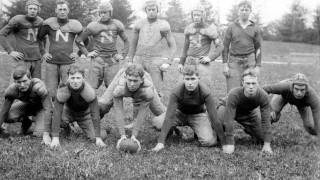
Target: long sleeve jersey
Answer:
[[238, 104], [25, 31], [77, 101], [36, 96], [198, 40], [239, 41], [191, 102], [310, 99], [104, 37], [62, 34]]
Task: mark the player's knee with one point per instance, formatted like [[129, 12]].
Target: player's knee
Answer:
[[208, 140]]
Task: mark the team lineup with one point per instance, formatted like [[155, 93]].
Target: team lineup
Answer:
[[66, 94]]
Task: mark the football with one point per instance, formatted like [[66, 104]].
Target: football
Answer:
[[129, 146]]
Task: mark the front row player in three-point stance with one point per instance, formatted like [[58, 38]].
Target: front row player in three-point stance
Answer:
[[298, 92], [133, 82], [33, 100], [147, 36], [106, 57], [189, 104], [77, 101], [249, 106], [26, 50]]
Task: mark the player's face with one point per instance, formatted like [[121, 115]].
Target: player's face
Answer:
[[197, 16], [23, 83], [105, 15], [62, 11], [191, 82], [152, 12], [76, 80], [133, 82], [299, 91], [32, 10], [250, 84], [244, 12]]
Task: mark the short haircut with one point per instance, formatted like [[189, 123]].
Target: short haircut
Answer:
[[135, 70], [245, 3], [59, 2], [249, 72], [19, 72], [75, 69], [190, 69]]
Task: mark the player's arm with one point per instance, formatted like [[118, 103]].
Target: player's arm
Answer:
[[257, 46], [228, 118], [125, 40], [56, 122], [213, 117], [118, 105], [171, 42], [265, 121], [81, 39], [226, 44], [185, 49], [314, 102], [277, 88], [142, 111], [95, 116], [5, 109], [5, 31], [43, 33], [216, 52], [134, 43]]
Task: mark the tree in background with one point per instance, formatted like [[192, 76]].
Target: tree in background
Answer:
[[79, 9], [212, 16], [316, 23], [121, 10], [292, 25], [175, 16]]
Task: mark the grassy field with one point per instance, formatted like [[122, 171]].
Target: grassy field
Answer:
[[296, 155]]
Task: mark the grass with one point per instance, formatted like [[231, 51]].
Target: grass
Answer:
[[296, 155]]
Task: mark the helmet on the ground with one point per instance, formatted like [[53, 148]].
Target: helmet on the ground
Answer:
[[148, 3], [106, 7]]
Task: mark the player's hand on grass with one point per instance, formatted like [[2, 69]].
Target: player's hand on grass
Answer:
[[118, 57], [226, 70], [16, 55], [55, 143], [133, 138], [204, 60], [228, 149], [267, 148], [99, 142], [74, 56], [46, 57], [158, 147], [46, 139], [180, 67], [123, 137], [93, 54], [274, 117]]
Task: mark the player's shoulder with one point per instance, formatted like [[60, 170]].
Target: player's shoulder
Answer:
[[190, 29], [118, 23], [11, 91], [205, 90], [74, 26], [63, 94], [18, 18], [94, 27], [88, 93], [50, 20], [178, 90], [120, 89], [39, 87], [140, 23]]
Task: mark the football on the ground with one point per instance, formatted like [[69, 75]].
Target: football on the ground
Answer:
[[128, 145]]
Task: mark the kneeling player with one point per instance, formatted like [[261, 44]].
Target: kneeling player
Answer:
[[78, 102], [188, 105], [33, 100], [249, 106], [298, 92], [132, 82]]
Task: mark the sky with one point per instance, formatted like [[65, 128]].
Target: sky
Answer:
[[269, 10]]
